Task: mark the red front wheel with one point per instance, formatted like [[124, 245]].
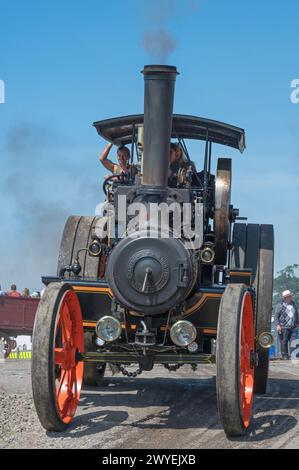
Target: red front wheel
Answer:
[[56, 372], [235, 364]]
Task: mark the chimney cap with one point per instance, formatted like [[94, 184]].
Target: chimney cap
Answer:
[[152, 69]]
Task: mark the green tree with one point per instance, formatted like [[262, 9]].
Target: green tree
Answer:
[[287, 278]]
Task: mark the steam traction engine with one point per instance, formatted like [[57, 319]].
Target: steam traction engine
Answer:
[[134, 290]]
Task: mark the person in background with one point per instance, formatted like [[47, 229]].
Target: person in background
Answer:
[[26, 292], [177, 159], [286, 323], [13, 291], [1, 291], [35, 295]]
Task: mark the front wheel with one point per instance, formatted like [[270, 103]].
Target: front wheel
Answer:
[[56, 372], [234, 359]]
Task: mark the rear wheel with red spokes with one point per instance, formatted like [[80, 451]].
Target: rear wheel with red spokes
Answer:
[[235, 359], [56, 372]]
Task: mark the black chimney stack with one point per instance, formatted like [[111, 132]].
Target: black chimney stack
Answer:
[[159, 84]]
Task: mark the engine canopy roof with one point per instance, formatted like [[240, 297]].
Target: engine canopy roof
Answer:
[[120, 130]]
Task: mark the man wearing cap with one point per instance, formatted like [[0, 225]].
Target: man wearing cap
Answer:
[[286, 322]]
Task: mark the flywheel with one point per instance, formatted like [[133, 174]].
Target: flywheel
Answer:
[[222, 209]]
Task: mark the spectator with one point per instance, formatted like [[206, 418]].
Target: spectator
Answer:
[[286, 322], [35, 295], [13, 291], [26, 292], [1, 291]]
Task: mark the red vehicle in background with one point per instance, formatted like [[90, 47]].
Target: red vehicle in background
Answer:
[[16, 318]]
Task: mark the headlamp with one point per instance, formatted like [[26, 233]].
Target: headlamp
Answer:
[[183, 333]]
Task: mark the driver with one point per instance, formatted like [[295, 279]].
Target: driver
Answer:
[[123, 157]]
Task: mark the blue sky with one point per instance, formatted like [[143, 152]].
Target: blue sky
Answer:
[[68, 63]]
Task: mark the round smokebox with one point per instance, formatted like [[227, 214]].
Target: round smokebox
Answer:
[[150, 275]]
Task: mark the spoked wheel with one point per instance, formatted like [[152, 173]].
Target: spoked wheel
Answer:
[[7, 345], [13, 344], [56, 373], [235, 370]]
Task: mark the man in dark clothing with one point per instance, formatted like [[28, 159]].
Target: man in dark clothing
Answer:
[[286, 322]]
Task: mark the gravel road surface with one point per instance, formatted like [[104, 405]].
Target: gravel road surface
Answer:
[[158, 410]]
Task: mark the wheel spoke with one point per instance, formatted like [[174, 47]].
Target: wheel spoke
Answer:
[[69, 383], [66, 322], [65, 408], [65, 396], [59, 357], [61, 383], [63, 327], [75, 384]]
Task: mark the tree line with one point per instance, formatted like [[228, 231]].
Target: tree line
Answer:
[[287, 278]]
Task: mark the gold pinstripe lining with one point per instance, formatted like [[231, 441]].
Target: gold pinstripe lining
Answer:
[[201, 302], [93, 290]]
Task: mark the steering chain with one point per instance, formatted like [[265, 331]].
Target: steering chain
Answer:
[[126, 372]]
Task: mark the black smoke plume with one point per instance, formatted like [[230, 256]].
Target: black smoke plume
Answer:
[[40, 183], [158, 41]]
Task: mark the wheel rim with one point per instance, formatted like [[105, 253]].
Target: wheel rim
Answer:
[[246, 366], [68, 372]]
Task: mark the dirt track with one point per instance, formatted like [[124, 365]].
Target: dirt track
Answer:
[[157, 410]]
